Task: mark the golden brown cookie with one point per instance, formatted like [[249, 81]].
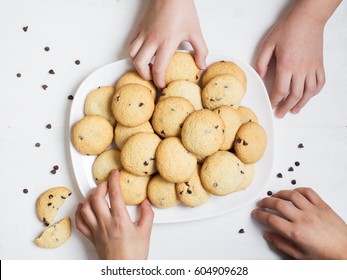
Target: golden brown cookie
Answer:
[[134, 188], [174, 162], [161, 193], [138, 154], [203, 132], [98, 102], [249, 173], [91, 135], [56, 235], [246, 114], [186, 89], [133, 77], [250, 142], [222, 90], [232, 124], [105, 163], [182, 67], [169, 116], [49, 202], [191, 192], [222, 173], [122, 133], [132, 105], [224, 67]]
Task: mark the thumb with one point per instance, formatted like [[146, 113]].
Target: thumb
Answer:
[[200, 49], [146, 219]]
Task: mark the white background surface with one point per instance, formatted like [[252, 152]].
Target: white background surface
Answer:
[[97, 32]]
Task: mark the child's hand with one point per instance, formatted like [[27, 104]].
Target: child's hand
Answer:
[[297, 43], [165, 25], [305, 227], [110, 229]]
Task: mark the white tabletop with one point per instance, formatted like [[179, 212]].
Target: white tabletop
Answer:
[[97, 33]]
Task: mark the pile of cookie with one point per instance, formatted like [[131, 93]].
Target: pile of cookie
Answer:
[[192, 141]]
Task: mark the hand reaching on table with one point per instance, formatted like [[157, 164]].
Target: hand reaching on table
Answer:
[[110, 229], [296, 42], [303, 225], [165, 25]]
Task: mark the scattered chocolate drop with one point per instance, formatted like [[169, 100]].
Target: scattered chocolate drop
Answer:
[[300, 146], [44, 87], [55, 167], [77, 62], [279, 175], [293, 182], [19, 75], [47, 49], [53, 171], [25, 191], [51, 72], [269, 193], [37, 145], [290, 169], [241, 230], [25, 28], [49, 126], [70, 97], [297, 163]]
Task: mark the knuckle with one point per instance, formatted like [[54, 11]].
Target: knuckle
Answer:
[[272, 220]]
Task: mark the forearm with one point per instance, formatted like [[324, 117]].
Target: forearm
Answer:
[[318, 11]]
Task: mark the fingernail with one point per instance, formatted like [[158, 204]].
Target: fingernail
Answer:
[[295, 111], [267, 237], [254, 212], [280, 115]]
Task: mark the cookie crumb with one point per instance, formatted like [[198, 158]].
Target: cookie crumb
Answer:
[[25, 191], [241, 230], [279, 175], [269, 193], [293, 182], [300, 146], [70, 97]]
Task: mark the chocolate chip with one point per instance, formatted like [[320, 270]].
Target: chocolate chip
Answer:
[[51, 72], [152, 158], [141, 104], [269, 193], [293, 182], [19, 75], [46, 224], [70, 97], [238, 140], [279, 175], [25, 28], [49, 126], [145, 163], [63, 197], [37, 145], [81, 137], [225, 86], [47, 49], [196, 77], [25, 191], [49, 203], [189, 191], [241, 230], [290, 169], [216, 127], [242, 172], [69, 193], [300, 146], [215, 185], [218, 111], [162, 132], [44, 87], [172, 109], [145, 172], [55, 167], [223, 61], [50, 196], [212, 100], [77, 62], [96, 179], [181, 125], [53, 171], [187, 184], [245, 143], [297, 163], [181, 192], [118, 97]]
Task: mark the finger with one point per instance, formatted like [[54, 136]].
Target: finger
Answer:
[[281, 89], [284, 207], [284, 245], [162, 59], [320, 78], [135, 46], [89, 215], [146, 219], [295, 94], [143, 59], [81, 224], [293, 196], [311, 196], [118, 208], [262, 62], [99, 203], [273, 221], [310, 90], [200, 50]]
